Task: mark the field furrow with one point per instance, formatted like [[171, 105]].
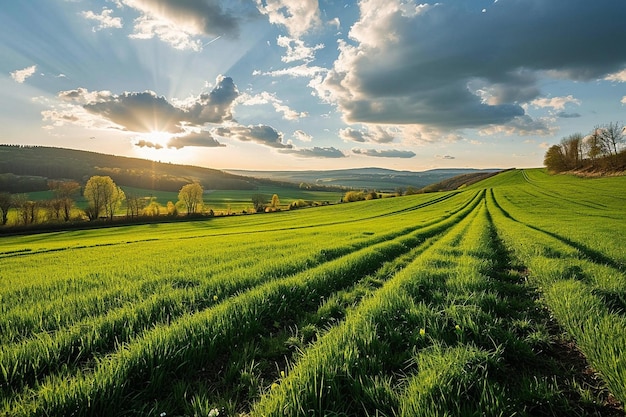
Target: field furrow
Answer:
[[273, 299], [472, 302], [584, 290]]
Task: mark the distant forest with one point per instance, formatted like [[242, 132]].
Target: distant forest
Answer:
[[29, 168]]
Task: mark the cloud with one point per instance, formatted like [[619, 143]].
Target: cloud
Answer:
[[201, 139], [21, 75], [523, 126], [565, 115], [623, 100], [261, 134], [445, 157], [315, 152], [374, 134], [104, 19], [296, 71], [297, 16], [142, 143], [269, 98], [388, 153], [449, 66], [145, 112], [617, 76], [180, 23], [557, 103], [297, 50], [302, 136]]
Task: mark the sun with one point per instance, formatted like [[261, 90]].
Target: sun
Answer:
[[154, 145]]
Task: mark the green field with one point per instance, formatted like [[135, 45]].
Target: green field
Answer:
[[475, 302], [220, 201]]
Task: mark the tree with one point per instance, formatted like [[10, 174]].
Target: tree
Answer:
[[275, 201], [6, 202], [27, 210], [258, 201], [191, 197], [103, 195], [64, 192], [134, 205], [611, 136], [593, 146], [352, 196], [172, 211], [555, 159], [572, 150]]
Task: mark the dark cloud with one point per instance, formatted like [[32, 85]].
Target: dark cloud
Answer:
[[216, 106], [449, 65], [140, 112], [261, 134], [208, 17], [388, 153], [315, 152], [148, 144], [565, 115], [199, 139], [373, 134], [146, 112]]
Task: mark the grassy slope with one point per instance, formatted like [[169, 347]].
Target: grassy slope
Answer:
[[390, 266]]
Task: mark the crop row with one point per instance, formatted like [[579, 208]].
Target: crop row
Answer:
[[584, 291], [192, 342], [456, 332]]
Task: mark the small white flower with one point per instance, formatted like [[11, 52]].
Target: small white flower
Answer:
[[214, 412]]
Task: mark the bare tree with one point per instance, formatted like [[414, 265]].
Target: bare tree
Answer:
[[612, 136], [134, 205], [6, 203]]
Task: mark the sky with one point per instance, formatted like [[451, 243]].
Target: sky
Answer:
[[311, 85]]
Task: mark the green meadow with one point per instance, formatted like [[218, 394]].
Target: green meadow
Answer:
[[221, 201], [507, 297]]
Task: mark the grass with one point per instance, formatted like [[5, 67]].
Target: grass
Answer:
[[473, 302]]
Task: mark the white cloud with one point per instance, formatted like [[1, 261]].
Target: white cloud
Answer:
[[303, 70], [147, 28], [557, 103], [104, 19], [302, 136], [623, 100], [297, 16], [269, 98], [297, 50], [21, 75], [182, 23], [617, 76]]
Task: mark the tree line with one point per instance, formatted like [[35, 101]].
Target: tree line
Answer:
[[602, 150], [104, 199], [106, 202]]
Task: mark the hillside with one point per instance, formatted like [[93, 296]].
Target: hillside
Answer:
[[364, 178], [37, 164], [27, 169]]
